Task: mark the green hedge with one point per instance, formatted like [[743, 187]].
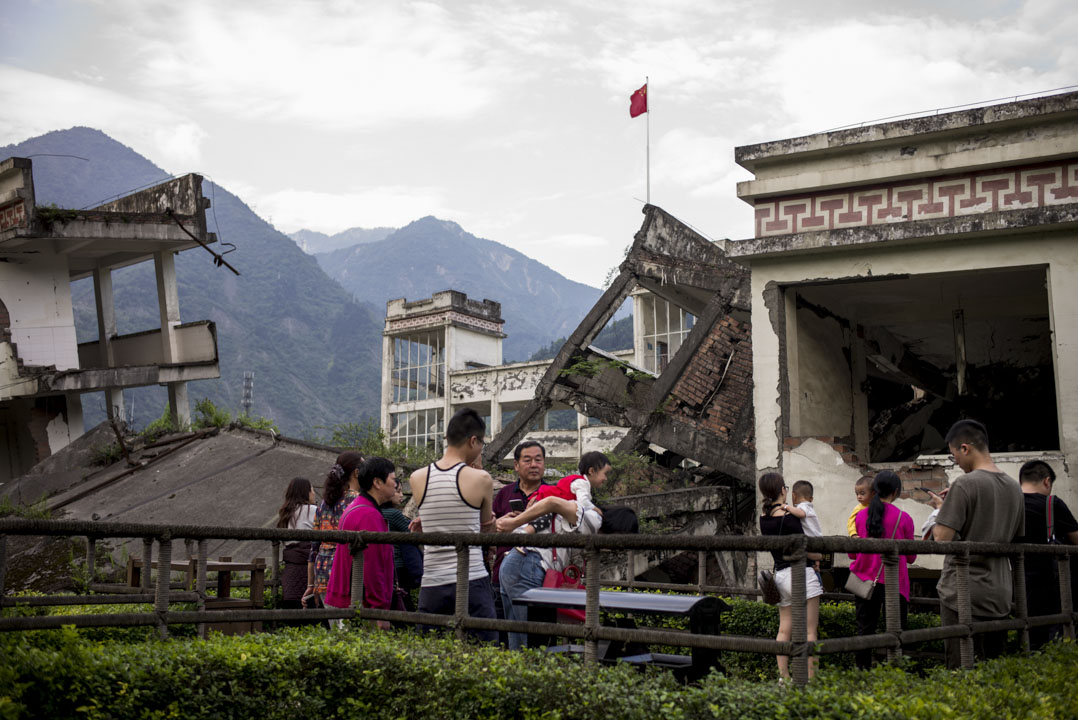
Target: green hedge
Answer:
[[757, 619], [367, 673]]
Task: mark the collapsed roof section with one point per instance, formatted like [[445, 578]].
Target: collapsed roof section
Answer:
[[699, 406]]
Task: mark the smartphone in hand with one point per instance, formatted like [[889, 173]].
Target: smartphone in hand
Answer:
[[516, 505]]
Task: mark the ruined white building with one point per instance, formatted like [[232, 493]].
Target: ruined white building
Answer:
[[444, 353], [907, 274], [43, 370]]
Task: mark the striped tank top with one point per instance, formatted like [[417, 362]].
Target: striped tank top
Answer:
[[444, 509]]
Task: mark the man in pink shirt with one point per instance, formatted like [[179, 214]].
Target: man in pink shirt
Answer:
[[377, 484]]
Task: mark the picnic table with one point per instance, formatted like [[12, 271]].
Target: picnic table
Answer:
[[703, 612]]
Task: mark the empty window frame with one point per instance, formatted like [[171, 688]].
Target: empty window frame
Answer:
[[419, 367], [417, 428], [665, 327]]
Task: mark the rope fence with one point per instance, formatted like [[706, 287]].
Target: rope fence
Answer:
[[794, 548]]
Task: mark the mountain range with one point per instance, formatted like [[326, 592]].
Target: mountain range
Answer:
[[430, 255], [312, 241], [313, 340]]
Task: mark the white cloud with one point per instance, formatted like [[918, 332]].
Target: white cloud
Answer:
[[332, 66], [569, 241], [35, 103], [293, 209]]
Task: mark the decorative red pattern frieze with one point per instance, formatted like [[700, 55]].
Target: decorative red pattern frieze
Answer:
[[927, 199], [439, 319], [13, 215]]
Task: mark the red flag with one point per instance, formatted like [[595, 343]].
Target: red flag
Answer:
[[638, 102]]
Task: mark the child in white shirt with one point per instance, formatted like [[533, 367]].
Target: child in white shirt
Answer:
[[802, 508]]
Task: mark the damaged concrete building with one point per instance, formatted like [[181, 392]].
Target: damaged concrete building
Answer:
[[44, 371], [908, 274], [902, 275], [444, 353]]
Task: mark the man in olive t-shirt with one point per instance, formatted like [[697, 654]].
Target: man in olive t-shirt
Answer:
[[984, 505]]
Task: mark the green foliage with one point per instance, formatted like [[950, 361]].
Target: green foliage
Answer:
[[369, 438], [159, 428], [757, 619], [592, 368], [51, 214], [630, 474], [106, 454], [208, 415], [35, 511], [311, 673]]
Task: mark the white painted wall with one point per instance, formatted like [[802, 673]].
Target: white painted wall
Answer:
[[464, 346], [37, 294]]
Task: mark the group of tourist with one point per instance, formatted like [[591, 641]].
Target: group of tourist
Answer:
[[452, 495], [455, 495], [984, 504]]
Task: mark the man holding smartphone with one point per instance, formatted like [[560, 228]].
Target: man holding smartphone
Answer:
[[529, 463]]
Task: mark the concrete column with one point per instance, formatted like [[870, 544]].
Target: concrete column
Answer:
[[75, 426], [858, 376], [496, 406], [106, 331], [639, 351], [387, 381], [168, 302], [792, 363], [179, 407], [106, 316]]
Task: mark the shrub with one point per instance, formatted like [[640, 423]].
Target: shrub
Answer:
[[208, 415], [35, 511], [313, 673]]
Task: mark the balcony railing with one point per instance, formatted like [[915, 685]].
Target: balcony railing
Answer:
[[196, 342], [591, 632]]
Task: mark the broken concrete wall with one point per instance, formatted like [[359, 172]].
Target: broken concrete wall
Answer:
[[774, 276], [820, 383]]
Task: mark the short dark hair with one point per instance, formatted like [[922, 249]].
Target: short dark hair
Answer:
[[464, 425], [968, 432], [374, 468], [619, 521], [593, 460], [1036, 471], [524, 446], [864, 480], [802, 488]]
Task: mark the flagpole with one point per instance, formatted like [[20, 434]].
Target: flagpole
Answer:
[[647, 97]]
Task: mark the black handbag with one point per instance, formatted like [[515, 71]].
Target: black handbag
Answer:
[[863, 588]]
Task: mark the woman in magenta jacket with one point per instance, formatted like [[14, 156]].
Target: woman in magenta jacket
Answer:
[[881, 519], [377, 484]]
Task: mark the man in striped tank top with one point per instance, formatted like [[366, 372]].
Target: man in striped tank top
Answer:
[[454, 497]]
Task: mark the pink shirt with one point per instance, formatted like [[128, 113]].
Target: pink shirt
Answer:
[[866, 565], [377, 560]]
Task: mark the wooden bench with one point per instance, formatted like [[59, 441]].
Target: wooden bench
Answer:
[[703, 612], [224, 567]]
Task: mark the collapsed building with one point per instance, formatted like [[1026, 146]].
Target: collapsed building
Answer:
[[44, 371], [902, 276]]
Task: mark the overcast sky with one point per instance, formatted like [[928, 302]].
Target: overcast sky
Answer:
[[509, 118]]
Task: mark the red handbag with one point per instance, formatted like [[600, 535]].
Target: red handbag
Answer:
[[570, 577]]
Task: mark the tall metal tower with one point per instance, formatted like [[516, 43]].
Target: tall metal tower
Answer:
[[248, 391]]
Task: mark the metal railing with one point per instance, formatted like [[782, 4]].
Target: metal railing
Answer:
[[794, 547]]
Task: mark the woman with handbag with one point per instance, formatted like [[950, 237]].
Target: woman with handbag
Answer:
[[881, 519], [776, 520]]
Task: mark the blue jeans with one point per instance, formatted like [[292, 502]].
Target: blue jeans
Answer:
[[519, 573]]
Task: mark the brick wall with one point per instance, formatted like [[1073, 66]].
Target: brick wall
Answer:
[[698, 397]]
